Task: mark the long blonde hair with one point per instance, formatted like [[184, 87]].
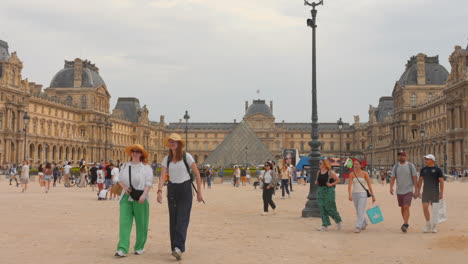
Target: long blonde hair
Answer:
[[327, 164]]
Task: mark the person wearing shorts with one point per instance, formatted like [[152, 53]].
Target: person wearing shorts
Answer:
[[48, 176], [404, 173], [433, 179]]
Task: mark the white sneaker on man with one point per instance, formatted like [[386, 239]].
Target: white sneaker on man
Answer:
[[427, 227], [322, 229], [120, 253], [434, 228]]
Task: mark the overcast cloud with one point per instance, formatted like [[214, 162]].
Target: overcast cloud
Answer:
[[209, 56]]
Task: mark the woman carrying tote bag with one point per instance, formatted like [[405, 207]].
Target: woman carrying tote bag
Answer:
[[359, 189], [136, 179]]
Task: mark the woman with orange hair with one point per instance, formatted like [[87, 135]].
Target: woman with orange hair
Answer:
[[326, 181]]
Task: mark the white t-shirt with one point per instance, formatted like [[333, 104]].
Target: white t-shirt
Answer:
[[67, 169], [177, 171], [267, 177], [142, 175], [115, 174], [25, 172], [100, 176]]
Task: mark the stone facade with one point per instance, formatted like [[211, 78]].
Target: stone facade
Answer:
[[71, 119]]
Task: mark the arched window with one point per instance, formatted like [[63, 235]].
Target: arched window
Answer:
[[414, 100]]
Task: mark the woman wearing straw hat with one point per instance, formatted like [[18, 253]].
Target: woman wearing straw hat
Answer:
[[179, 190], [136, 179]]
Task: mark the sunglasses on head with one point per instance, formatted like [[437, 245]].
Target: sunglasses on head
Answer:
[[136, 151]]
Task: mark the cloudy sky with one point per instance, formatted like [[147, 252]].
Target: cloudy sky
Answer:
[[210, 56]]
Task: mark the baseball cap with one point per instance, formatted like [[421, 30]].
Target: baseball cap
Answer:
[[430, 156], [401, 153]]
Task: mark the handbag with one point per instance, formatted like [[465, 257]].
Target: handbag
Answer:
[[367, 191], [375, 215], [134, 193]]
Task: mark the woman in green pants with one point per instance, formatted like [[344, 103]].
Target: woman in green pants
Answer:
[[326, 181], [136, 179]]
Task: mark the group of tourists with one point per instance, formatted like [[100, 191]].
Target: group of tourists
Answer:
[[429, 187], [178, 172]]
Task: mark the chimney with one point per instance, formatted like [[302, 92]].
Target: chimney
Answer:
[[246, 106], [421, 68], [271, 106], [78, 70]]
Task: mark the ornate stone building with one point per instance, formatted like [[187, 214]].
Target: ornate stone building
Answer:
[[71, 119]]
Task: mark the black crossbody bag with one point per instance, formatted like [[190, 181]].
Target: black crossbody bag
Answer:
[[367, 191], [135, 194]]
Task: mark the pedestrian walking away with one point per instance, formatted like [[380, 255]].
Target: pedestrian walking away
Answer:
[[136, 180], [359, 186], [181, 169], [13, 172], [24, 178], [404, 174], [48, 177], [327, 180], [432, 184]]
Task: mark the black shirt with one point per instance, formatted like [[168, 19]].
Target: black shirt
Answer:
[[93, 171], [431, 176], [322, 179], [108, 175]]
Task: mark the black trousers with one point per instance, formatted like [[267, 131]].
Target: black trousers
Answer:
[[179, 199], [284, 186], [267, 198]]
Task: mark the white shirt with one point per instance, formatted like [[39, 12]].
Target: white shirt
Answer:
[[25, 172], [142, 175], [115, 174], [267, 177], [100, 176], [67, 169], [177, 171]]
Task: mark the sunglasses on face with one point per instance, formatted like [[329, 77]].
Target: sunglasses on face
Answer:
[[267, 165], [136, 151]]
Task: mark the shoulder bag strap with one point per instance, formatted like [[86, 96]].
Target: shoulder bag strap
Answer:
[[359, 181], [130, 176]]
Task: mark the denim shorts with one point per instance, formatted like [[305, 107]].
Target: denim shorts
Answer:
[[108, 183]]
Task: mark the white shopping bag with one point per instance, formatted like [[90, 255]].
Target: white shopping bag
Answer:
[[439, 212]]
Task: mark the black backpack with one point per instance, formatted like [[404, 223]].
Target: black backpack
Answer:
[[169, 158]]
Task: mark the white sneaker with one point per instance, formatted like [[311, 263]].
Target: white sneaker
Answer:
[[338, 226], [264, 213], [434, 228], [427, 228], [282, 197], [120, 253], [322, 229], [357, 230], [139, 252], [177, 253]]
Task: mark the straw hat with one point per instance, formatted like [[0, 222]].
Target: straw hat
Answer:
[[175, 137], [139, 147]]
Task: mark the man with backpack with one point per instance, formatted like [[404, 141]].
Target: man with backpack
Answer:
[[404, 173]]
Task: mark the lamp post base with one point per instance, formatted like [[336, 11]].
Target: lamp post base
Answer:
[[311, 209]]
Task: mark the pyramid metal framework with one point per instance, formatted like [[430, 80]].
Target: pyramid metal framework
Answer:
[[240, 147]]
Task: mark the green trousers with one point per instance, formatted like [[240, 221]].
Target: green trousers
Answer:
[[327, 205], [128, 211]]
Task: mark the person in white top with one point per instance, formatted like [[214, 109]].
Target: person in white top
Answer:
[[115, 178], [67, 171], [358, 186], [24, 178], [179, 190], [136, 180], [269, 179]]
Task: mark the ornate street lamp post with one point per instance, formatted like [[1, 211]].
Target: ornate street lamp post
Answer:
[[311, 208], [340, 127], [26, 121], [371, 160], [186, 117]]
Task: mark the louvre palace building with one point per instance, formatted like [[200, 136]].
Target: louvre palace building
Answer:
[[71, 119]]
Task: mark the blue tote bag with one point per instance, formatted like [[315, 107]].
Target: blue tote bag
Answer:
[[375, 215]]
